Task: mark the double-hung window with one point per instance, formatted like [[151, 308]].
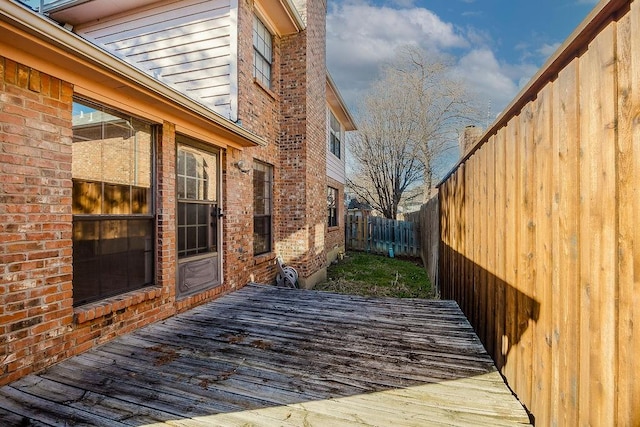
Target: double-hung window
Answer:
[[113, 229], [335, 135], [332, 206], [262, 53], [262, 207]]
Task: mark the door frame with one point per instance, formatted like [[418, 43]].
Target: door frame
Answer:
[[197, 145]]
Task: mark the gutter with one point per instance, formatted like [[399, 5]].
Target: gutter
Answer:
[[49, 31]]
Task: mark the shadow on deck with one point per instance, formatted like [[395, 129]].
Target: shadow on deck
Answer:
[[272, 356]]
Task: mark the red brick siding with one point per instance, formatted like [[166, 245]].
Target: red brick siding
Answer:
[[292, 190], [303, 144], [238, 220], [258, 111], [35, 218], [316, 132], [291, 115], [258, 106], [166, 258], [38, 324]]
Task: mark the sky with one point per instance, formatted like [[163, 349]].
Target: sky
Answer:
[[496, 45]]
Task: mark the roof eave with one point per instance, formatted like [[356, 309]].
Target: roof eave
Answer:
[[338, 105], [281, 16], [47, 30]]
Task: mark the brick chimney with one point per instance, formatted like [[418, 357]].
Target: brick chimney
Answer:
[[468, 138]]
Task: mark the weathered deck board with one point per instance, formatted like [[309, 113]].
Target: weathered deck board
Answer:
[[274, 356]]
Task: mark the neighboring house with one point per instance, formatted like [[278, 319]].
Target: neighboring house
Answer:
[[359, 208], [154, 155]]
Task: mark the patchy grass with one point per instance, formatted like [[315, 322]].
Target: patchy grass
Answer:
[[361, 273]]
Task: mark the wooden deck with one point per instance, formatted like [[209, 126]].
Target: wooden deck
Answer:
[[269, 356]]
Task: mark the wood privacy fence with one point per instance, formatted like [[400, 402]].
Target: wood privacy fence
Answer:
[[377, 235], [428, 221], [540, 230]]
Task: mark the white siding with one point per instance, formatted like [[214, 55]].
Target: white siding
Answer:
[[335, 165], [189, 45]]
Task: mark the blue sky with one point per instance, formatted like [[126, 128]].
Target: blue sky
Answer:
[[497, 45]]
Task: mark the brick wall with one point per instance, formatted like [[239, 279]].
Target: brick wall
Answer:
[[303, 144], [166, 254], [292, 116], [35, 219], [38, 323], [238, 219], [316, 132], [292, 191], [258, 111]]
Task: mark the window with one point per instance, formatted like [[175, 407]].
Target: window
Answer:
[[262, 197], [112, 203], [262, 53], [332, 204], [197, 201], [335, 134]]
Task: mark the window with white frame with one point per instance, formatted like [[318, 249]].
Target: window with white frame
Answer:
[[262, 52], [335, 135]]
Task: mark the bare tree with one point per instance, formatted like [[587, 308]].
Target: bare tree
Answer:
[[408, 120], [386, 158]]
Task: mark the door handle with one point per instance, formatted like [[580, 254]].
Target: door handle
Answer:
[[217, 212]]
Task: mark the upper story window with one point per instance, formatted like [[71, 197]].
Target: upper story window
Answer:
[[262, 53], [335, 135]]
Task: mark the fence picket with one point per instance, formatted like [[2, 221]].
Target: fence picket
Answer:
[[378, 235], [549, 202]]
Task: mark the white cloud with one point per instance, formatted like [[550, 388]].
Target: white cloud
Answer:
[[546, 50], [481, 67], [489, 79], [472, 13], [361, 37], [478, 37], [361, 22], [528, 52], [404, 3]]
